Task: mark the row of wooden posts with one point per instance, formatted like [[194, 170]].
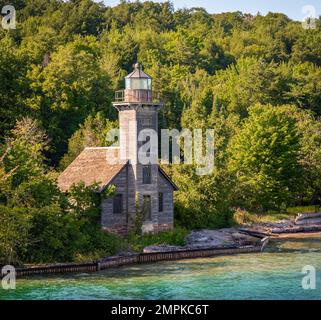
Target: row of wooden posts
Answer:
[[133, 259]]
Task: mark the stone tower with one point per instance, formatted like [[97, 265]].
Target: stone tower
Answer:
[[138, 110]]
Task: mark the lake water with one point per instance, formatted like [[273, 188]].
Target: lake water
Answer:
[[274, 274]]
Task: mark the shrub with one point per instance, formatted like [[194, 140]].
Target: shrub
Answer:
[[55, 236], [172, 237], [14, 229]]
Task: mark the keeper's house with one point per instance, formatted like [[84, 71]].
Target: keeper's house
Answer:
[[137, 186]]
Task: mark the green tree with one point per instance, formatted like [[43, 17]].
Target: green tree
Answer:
[[305, 87], [54, 236], [204, 201], [12, 85], [70, 88], [92, 133], [310, 156], [14, 232], [245, 83], [307, 46], [25, 151], [26, 181], [264, 157]]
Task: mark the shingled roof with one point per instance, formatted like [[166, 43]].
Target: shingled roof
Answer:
[[92, 166]]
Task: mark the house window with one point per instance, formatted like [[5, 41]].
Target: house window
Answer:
[[160, 202], [147, 174], [147, 208], [118, 203]]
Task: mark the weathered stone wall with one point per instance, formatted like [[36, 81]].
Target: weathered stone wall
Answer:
[[165, 218], [120, 222], [116, 222]]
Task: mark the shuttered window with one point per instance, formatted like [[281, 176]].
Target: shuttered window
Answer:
[[147, 175], [118, 203], [160, 202]]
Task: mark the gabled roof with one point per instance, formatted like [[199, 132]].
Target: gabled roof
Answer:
[[168, 178], [93, 165], [97, 165]]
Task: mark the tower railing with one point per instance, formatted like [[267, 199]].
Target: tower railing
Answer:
[[138, 95]]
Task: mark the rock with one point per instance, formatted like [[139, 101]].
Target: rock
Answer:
[[209, 238], [162, 248], [205, 239], [242, 239], [202, 239], [219, 238]]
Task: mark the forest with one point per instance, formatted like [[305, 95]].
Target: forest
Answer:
[[254, 79]]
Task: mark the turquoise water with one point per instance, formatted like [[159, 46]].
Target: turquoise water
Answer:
[[274, 274]]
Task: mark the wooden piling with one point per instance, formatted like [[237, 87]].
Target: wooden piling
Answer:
[[117, 261]]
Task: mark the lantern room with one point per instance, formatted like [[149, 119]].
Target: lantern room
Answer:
[[138, 80], [138, 88]]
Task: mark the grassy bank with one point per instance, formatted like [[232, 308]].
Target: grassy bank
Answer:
[[242, 217], [136, 243]]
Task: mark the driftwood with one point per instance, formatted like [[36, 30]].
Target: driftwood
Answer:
[[264, 243], [297, 229], [303, 216], [308, 221], [254, 233]]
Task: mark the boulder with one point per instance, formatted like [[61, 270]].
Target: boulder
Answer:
[[207, 238], [219, 238]]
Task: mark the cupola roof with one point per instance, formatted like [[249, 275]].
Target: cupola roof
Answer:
[[138, 73]]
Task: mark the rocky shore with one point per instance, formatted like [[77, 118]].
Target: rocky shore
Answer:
[[248, 235], [205, 239]]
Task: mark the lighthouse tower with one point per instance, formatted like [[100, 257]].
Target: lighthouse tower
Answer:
[[138, 110], [140, 186]]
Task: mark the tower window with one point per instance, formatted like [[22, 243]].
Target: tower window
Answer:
[[147, 174], [118, 203], [160, 202]]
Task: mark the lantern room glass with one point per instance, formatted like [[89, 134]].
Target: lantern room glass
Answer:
[[138, 84]]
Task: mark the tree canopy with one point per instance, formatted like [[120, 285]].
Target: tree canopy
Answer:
[[254, 79]]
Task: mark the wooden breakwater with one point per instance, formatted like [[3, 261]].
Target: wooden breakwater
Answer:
[[117, 261]]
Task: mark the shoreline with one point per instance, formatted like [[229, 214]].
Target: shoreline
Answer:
[[198, 249], [140, 258]]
